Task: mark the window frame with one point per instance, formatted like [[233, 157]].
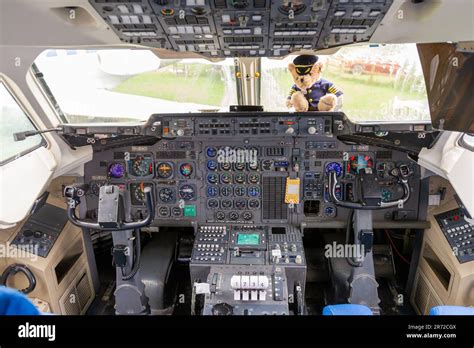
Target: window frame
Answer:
[[42, 143]]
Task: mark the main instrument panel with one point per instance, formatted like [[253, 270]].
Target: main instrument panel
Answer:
[[242, 28], [242, 169]]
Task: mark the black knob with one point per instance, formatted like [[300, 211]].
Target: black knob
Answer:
[[222, 309]]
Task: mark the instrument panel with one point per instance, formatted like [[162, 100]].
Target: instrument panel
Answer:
[[242, 28], [237, 169]]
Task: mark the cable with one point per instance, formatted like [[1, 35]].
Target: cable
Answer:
[[14, 269], [136, 261], [395, 248]]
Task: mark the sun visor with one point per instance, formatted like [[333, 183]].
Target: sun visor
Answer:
[[449, 76]]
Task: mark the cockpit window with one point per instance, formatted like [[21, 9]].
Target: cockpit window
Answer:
[[378, 82], [125, 85]]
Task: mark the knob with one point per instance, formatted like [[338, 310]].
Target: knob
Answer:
[[290, 131], [298, 259], [312, 130], [180, 132]]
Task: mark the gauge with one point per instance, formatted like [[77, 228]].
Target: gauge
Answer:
[[212, 178], [239, 166], [211, 152], [240, 204], [254, 191], [116, 170], [267, 164], [246, 215], [239, 178], [358, 163], [213, 203], [233, 215], [141, 166], [226, 191], [176, 211], [164, 170], [253, 165], [220, 215], [334, 167], [138, 193], [95, 187], [226, 203], [166, 195], [211, 165], [186, 169], [254, 203], [330, 211], [212, 191], [163, 211], [254, 178], [226, 165], [240, 191], [187, 192], [226, 178]]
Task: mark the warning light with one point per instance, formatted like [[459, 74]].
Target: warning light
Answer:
[[456, 217]]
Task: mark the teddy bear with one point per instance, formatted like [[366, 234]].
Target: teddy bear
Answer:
[[311, 92]]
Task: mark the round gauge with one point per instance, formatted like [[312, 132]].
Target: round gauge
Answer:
[[95, 187], [240, 191], [239, 166], [166, 194], [267, 164], [239, 178], [226, 191], [226, 203], [164, 170], [240, 204], [254, 203], [163, 211], [176, 211], [253, 165], [226, 178], [211, 152], [254, 178], [233, 215], [116, 170], [334, 167], [186, 169], [213, 203], [330, 211], [246, 215], [220, 215], [211, 165], [358, 163], [254, 191], [138, 191], [212, 178], [212, 191], [142, 166], [226, 165], [186, 192]]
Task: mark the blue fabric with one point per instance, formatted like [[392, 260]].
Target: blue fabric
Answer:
[[13, 302], [451, 310], [347, 309]]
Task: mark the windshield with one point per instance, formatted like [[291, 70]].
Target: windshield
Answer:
[[378, 82], [130, 85]]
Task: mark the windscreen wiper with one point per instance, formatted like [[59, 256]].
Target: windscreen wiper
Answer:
[[19, 136]]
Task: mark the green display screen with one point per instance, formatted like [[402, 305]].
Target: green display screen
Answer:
[[248, 239]]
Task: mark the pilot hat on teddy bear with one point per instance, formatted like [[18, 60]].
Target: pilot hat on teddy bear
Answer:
[[306, 71]]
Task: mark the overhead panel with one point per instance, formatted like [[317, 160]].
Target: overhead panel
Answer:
[[242, 28]]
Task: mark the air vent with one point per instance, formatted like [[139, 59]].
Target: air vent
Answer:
[[259, 3], [273, 199], [76, 299], [425, 297], [220, 3]]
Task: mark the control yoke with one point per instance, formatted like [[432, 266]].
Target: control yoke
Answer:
[[108, 214], [368, 200]]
